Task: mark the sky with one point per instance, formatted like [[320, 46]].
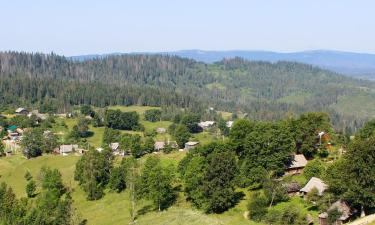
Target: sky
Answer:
[[78, 27]]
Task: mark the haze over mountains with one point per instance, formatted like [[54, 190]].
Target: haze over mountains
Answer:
[[358, 65]]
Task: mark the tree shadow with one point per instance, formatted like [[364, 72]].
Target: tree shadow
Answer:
[[145, 209], [238, 196], [89, 134]]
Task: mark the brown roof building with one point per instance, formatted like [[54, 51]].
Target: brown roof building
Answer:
[[296, 164]]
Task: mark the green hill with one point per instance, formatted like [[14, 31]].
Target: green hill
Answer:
[[264, 90]]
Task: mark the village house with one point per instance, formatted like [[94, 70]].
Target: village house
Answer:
[[115, 147], [206, 124], [40, 116], [22, 111], [13, 133], [344, 210], [314, 182], [229, 124], [159, 145], [66, 149], [81, 151], [296, 165], [190, 145], [161, 130], [292, 188]]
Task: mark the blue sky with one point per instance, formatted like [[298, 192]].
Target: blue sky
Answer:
[[96, 26]]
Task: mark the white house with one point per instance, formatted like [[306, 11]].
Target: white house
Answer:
[[314, 182], [66, 149], [190, 145], [206, 124]]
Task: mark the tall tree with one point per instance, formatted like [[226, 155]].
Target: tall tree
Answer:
[[156, 183], [93, 172], [181, 135]]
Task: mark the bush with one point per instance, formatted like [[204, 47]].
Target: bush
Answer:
[[333, 215], [257, 206], [288, 215], [314, 168], [122, 120], [153, 115]]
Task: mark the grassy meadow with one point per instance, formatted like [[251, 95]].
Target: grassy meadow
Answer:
[[113, 208]]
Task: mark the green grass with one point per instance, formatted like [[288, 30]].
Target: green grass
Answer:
[[96, 139], [204, 137], [301, 204], [139, 109], [113, 208], [14, 168], [299, 178]]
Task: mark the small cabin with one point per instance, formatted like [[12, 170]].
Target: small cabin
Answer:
[[66, 149], [344, 210], [296, 165], [191, 145], [206, 124], [314, 182], [159, 145], [22, 111], [292, 188]]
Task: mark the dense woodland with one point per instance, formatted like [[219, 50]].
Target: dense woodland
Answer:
[[265, 91]]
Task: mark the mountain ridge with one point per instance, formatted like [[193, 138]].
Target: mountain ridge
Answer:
[[357, 65]]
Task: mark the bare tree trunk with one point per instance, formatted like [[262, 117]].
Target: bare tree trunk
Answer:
[[273, 196]]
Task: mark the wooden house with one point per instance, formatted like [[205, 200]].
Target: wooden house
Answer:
[[296, 164], [344, 210]]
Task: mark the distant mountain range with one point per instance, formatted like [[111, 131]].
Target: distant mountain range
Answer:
[[358, 65]]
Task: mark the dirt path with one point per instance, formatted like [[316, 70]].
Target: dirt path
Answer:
[[364, 221]]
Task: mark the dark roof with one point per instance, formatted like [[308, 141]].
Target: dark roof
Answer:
[[292, 187]]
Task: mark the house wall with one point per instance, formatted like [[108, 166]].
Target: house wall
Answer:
[[294, 171], [323, 221]]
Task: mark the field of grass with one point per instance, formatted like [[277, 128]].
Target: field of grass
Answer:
[[113, 208], [139, 109], [96, 139]]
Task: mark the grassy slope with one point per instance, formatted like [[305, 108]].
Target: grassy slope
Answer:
[[113, 208]]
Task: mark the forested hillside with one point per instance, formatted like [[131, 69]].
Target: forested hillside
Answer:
[[263, 90]]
